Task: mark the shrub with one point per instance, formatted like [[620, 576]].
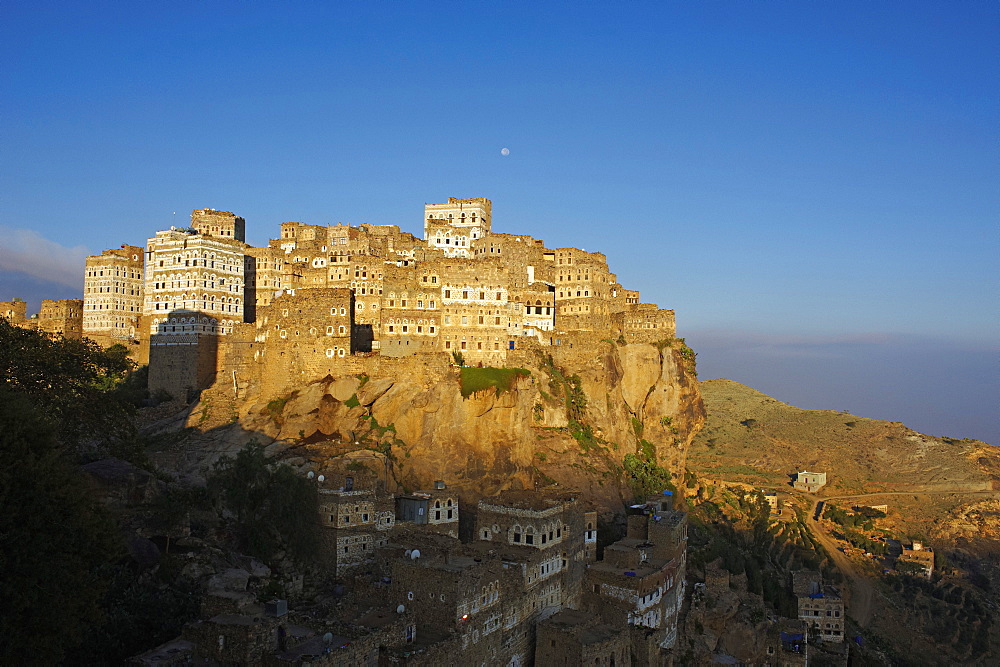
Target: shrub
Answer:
[[481, 379]]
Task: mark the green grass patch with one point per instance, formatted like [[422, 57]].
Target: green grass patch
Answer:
[[481, 379], [353, 401]]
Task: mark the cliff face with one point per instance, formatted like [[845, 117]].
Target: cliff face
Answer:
[[571, 420]]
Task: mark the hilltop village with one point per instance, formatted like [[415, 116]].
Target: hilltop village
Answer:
[[198, 302], [346, 338]]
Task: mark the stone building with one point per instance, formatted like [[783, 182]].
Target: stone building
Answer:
[[437, 509], [640, 582], [920, 555], [574, 637], [454, 226], [14, 311], [219, 224], [62, 317], [820, 607], [192, 275], [302, 335], [57, 317], [356, 523], [113, 295], [771, 498]]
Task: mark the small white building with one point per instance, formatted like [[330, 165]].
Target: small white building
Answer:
[[810, 482]]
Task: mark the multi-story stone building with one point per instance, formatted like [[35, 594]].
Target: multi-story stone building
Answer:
[[113, 295], [820, 607], [60, 317], [436, 509], [356, 523], [194, 292], [190, 275], [453, 227], [14, 311], [641, 580]]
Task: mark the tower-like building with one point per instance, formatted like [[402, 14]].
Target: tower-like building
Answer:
[[453, 226], [112, 295], [195, 277], [195, 291], [220, 224]]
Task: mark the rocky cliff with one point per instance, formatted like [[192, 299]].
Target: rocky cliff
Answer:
[[570, 418]]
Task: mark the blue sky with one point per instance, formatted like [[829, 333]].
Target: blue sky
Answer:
[[812, 186]]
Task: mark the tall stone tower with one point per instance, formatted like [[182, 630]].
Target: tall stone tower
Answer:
[[195, 291], [453, 226], [112, 295], [223, 224]]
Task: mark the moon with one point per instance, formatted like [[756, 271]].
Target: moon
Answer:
[[505, 152]]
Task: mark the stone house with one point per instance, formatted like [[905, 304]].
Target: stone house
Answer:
[[819, 607]]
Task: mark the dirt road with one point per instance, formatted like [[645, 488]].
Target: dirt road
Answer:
[[861, 600], [862, 594]]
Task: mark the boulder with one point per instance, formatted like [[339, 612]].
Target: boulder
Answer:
[[233, 579]]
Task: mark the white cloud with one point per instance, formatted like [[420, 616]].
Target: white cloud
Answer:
[[25, 251]]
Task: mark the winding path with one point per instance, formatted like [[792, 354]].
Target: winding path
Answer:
[[862, 592]]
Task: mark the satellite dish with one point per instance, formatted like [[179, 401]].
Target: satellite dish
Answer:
[[310, 474], [415, 554], [400, 609], [321, 478], [328, 638]]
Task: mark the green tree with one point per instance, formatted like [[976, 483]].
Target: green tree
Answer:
[[269, 506], [75, 382], [646, 477], [56, 544]]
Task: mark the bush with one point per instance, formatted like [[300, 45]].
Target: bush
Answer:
[[481, 379], [645, 477]]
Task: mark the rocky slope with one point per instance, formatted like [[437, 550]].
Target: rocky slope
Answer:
[[569, 420], [752, 436]]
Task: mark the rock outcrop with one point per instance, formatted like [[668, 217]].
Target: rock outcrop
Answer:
[[570, 420]]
